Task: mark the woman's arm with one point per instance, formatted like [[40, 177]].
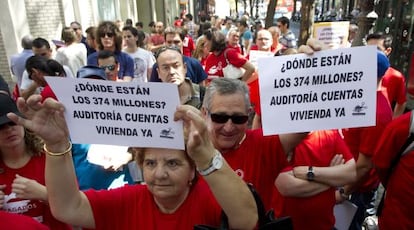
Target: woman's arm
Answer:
[[67, 203]]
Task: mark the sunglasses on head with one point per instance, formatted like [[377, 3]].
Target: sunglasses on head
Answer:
[[109, 35], [223, 118], [107, 67]]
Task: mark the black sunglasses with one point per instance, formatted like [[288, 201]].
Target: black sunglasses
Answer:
[[110, 35], [109, 67], [223, 118]]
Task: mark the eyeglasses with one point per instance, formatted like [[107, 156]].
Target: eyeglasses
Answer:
[[165, 48], [109, 35], [11, 123], [107, 67], [223, 118]]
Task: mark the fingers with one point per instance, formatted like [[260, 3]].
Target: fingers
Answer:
[[338, 159]]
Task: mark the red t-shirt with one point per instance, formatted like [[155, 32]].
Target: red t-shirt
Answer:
[[317, 149], [399, 202], [19, 222], [47, 92], [365, 139], [258, 160], [215, 63], [157, 39], [394, 82], [133, 207], [38, 210], [188, 46]]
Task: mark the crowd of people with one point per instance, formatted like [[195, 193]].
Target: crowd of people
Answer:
[[45, 176]]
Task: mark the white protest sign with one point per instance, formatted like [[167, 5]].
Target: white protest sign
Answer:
[[120, 113], [332, 34], [256, 54], [328, 90]]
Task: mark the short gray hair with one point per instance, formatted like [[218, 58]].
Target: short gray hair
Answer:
[[226, 86]]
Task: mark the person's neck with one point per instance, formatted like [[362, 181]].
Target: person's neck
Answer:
[[112, 49], [131, 49], [15, 157], [170, 205], [185, 92]]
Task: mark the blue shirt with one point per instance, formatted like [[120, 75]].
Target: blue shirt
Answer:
[[195, 71], [126, 63], [91, 176], [18, 64]]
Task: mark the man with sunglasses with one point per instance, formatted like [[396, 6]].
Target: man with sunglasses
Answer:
[[195, 71], [107, 62], [256, 158]]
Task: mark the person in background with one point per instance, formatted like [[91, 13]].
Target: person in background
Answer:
[[246, 37], [128, 22], [110, 38], [107, 61], [77, 27], [352, 33], [18, 61], [140, 27], [228, 23], [188, 44], [275, 31], [233, 39], [41, 47], [91, 39], [362, 142], [157, 39], [143, 59], [219, 55], [22, 177], [393, 81], [398, 201], [287, 38], [73, 54], [174, 194], [38, 68], [318, 165], [201, 52], [195, 72], [190, 26]]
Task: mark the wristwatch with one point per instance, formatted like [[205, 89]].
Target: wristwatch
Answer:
[[215, 164], [310, 175]]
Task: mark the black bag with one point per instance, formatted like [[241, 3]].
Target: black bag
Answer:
[[267, 221]]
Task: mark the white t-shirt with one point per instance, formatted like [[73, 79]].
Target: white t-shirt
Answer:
[[73, 56], [143, 62]]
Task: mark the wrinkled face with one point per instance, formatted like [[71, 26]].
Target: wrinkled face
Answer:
[[264, 40], [234, 37], [110, 66], [11, 135], [226, 136], [167, 173], [171, 67], [43, 51], [173, 40], [129, 39]]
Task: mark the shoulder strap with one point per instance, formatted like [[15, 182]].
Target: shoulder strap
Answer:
[[225, 55]]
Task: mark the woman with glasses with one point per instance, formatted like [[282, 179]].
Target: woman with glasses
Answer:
[[38, 67], [22, 171], [175, 196], [109, 37]]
